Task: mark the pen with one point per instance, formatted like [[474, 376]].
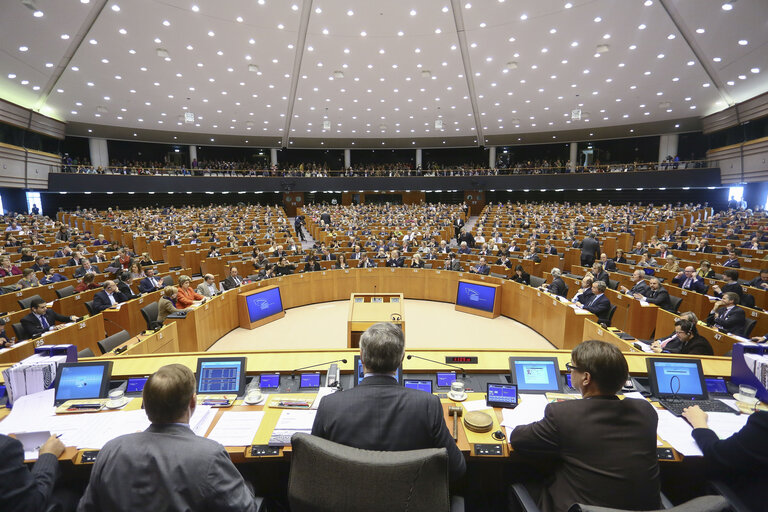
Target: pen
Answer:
[[58, 436], [75, 407]]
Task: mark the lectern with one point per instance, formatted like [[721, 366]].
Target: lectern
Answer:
[[366, 309]]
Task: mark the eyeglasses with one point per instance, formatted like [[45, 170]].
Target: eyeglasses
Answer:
[[571, 367]]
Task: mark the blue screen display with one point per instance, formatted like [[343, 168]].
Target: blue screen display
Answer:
[[80, 382], [476, 296], [310, 380], [536, 375], [716, 386], [361, 373], [422, 385], [264, 304], [501, 393], [568, 380], [219, 377], [445, 379], [136, 385], [269, 380], [680, 378]]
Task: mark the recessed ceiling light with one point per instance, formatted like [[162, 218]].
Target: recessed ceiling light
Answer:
[[755, 70], [717, 59], [65, 36], [363, 33], [123, 31], [660, 56], [574, 44], [743, 42], [350, 12], [730, 82], [641, 26], [280, 26], [116, 8], [598, 19], [568, 5], [413, 12], [741, 77], [23, 48], [468, 5], [726, 6], [195, 8], [648, 3], [553, 31], [671, 36], [166, 23], [38, 14], [75, 68], [700, 30], [690, 63]]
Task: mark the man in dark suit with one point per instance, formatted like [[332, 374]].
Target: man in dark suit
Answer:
[[640, 286], [595, 464], [688, 280], [150, 283], [22, 490], [727, 316], [86, 268], [395, 260], [379, 413], [481, 268], [41, 319], [656, 294], [40, 263], [732, 261], [740, 460], [608, 264], [687, 340], [761, 281], [458, 224], [557, 286], [599, 272], [233, 280], [598, 303], [107, 297], [704, 246], [590, 248], [166, 467]]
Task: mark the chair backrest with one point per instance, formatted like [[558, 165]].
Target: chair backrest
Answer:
[[610, 315], [108, 344], [674, 303], [747, 300], [89, 306], [149, 312], [329, 477], [27, 303], [427, 265], [500, 276], [749, 324], [19, 331], [613, 285], [537, 281], [65, 292], [168, 281], [700, 504], [86, 352]]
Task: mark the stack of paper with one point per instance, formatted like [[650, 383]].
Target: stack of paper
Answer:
[[759, 365], [290, 422], [32, 375], [237, 428]]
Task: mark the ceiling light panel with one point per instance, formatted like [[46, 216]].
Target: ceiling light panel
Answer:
[[418, 66]]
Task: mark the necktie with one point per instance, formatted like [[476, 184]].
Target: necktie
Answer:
[[44, 322], [687, 283]]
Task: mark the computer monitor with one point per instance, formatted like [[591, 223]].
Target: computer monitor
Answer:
[[679, 378], [75, 381], [476, 296], [445, 379], [264, 304], [221, 376], [309, 380], [269, 380], [536, 374], [501, 395], [360, 375], [135, 385], [421, 385]]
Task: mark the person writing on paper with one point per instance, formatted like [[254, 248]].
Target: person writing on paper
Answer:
[[22, 490], [741, 461], [380, 414], [166, 467], [604, 448], [41, 319]]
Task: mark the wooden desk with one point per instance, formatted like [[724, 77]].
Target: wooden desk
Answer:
[[364, 311], [83, 334], [164, 341], [129, 316], [207, 323]]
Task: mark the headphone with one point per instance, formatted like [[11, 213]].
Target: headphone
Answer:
[[395, 317]]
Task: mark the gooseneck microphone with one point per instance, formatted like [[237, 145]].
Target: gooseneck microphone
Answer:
[[293, 372], [463, 371]]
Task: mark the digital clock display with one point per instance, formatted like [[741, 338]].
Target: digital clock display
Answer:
[[461, 359]]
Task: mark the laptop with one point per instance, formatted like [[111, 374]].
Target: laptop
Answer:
[[679, 383]]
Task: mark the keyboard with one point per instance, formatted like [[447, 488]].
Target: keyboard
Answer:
[[676, 406]]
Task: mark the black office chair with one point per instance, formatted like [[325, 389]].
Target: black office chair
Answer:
[[65, 292], [537, 281], [609, 319], [19, 331], [749, 325], [613, 285], [149, 312], [108, 344], [747, 300], [492, 274], [27, 303], [89, 307], [674, 304], [330, 477], [168, 281], [724, 490], [86, 352], [429, 265]]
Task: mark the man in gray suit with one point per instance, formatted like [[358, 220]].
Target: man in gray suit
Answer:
[[166, 467], [604, 448], [640, 286]]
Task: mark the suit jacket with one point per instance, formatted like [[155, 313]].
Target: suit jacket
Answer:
[[146, 286], [602, 276], [380, 414], [741, 460], [640, 287], [455, 264], [600, 306], [204, 290], [732, 322], [660, 297], [230, 282], [558, 287], [185, 298], [166, 467], [697, 284], [706, 249], [732, 263], [698, 345], [102, 302], [164, 308], [590, 247], [609, 265], [609, 460], [80, 272], [392, 262], [34, 328], [22, 490], [483, 269], [126, 290]]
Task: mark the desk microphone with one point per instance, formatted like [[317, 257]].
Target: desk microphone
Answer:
[[463, 371], [293, 372]]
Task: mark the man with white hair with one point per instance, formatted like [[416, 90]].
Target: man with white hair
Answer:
[[557, 286]]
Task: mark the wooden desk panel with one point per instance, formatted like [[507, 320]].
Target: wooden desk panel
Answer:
[[129, 316]]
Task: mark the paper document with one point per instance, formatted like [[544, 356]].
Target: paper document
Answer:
[[634, 394], [531, 409], [236, 428], [201, 420], [677, 432], [290, 422], [32, 441], [476, 405], [321, 393], [725, 424]]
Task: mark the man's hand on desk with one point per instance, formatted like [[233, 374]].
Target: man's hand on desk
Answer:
[[74, 318], [638, 296], [656, 347], [695, 416], [54, 446]]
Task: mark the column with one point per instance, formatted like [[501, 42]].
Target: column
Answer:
[[418, 158], [192, 155], [492, 157], [273, 156], [347, 159], [574, 156], [667, 146], [99, 153]]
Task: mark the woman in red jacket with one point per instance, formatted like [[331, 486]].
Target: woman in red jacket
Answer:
[[187, 295]]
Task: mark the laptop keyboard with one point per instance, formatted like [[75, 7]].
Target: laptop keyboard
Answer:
[[676, 406]]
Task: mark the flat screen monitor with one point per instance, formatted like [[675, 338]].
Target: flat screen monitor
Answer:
[[536, 374], [716, 386], [221, 376], [264, 304], [269, 380], [679, 378], [136, 384], [476, 296], [310, 380], [360, 374], [445, 379], [502, 395], [76, 381], [421, 385]]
